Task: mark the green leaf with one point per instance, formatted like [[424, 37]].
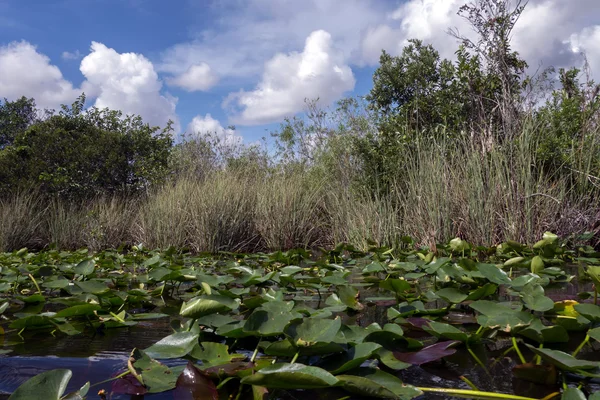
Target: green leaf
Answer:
[[398, 286], [446, 331], [494, 274], [594, 334], [291, 376], [155, 376], [451, 295], [77, 311], [271, 318], [484, 291], [545, 334], [206, 305], [211, 354], [94, 287], [573, 394], [50, 385], [372, 382], [563, 360], [310, 331], [176, 345], [85, 267], [534, 298], [350, 359], [589, 311], [537, 265]]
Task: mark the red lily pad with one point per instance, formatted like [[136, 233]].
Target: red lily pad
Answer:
[[428, 354]]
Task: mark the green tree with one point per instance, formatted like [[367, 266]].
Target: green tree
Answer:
[[80, 154], [15, 117]]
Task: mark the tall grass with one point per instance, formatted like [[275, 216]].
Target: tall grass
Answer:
[[442, 190]]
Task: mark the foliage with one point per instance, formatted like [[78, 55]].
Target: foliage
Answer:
[[81, 154]]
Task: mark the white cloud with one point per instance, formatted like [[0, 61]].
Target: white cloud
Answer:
[[289, 79], [26, 72], [127, 82], [207, 125], [67, 55], [588, 41], [198, 77]]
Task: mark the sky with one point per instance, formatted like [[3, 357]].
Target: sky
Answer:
[[211, 64]]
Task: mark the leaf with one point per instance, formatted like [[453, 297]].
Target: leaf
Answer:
[[589, 311], [271, 318], [94, 287], [398, 286], [428, 354], [351, 359], [387, 358], [192, 384], [494, 274], [563, 360], [537, 265], [206, 305], [445, 331], [572, 394], [310, 331], [484, 291], [77, 311], [451, 295], [211, 354], [129, 385], [291, 376], [85, 267], [372, 382], [155, 376], [545, 334], [534, 298], [594, 334], [176, 345], [52, 384], [349, 296]]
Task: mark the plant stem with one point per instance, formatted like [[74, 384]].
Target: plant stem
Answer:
[[479, 394], [581, 345], [111, 379], [35, 283], [514, 342], [295, 357], [254, 354], [468, 382]]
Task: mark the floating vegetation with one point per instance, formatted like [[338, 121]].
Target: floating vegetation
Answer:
[[339, 323]]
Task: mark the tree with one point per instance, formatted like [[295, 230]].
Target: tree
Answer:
[[15, 117], [80, 154]]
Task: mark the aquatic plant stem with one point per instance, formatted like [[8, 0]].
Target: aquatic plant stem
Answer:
[[468, 382], [111, 379], [514, 342], [477, 360], [35, 283], [295, 357], [581, 345], [254, 354], [479, 394]]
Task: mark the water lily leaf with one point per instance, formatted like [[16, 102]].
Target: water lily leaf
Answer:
[[451, 295], [129, 385], [52, 384], [271, 318], [211, 354], [176, 345], [85, 267], [206, 305], [563, 360], [192, 384], [534, 298], [291, 376], [387, 358], [484, 291], [350, 359], [494, 274], [155, 376], [349, 296], [513, 261], [77, 311], [398, 286], [571, 393], [537, 265], [33, 299], [428, 354], [31, 322], [594, 334], [589, 311], [372, 382], [495, 315], [310, 331], [544, 334], [94, 287], [445, 331]]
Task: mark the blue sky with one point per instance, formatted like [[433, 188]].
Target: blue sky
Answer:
[[209, 64]]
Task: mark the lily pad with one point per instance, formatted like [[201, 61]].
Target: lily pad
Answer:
[[176, 345], [51, 384], [372, 382], [291, 376]]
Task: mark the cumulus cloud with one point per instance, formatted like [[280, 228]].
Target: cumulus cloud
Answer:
[[588, 41], [207, 125], [318, 71], [198, 77], [26, 72], [127, 82]]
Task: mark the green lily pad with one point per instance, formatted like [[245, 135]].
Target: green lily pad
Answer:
[[206, 305], [372, 382], [86, 267], [563, 360], [589, 311], [451, 295], [211, 354], [291, 376], [494, 274], [309, 331], [176, 345], [350, 359], [155, 376], [446, 331], [50, 384], [78, 311]]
